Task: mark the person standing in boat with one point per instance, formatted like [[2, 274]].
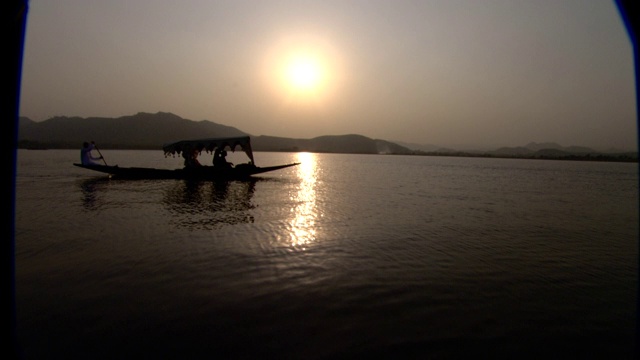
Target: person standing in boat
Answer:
[[86, 156]]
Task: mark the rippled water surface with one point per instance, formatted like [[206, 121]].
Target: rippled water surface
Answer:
[[344, 255]]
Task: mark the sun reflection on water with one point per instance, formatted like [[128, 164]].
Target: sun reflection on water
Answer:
[[303, 221]]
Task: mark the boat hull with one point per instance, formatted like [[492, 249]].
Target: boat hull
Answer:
[[200, 173]]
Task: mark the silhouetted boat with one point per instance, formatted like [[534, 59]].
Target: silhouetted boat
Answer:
[[187, 147]]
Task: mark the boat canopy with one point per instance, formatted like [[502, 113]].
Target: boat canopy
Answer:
[[209, 145]]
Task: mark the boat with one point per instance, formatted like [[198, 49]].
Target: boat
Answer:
[[185, 148]]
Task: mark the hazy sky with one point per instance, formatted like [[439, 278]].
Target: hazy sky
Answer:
[[467, 73]]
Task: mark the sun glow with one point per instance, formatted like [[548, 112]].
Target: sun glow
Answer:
[[302, 69], [304, 73]]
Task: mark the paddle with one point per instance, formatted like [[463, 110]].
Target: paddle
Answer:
[[99, 153]]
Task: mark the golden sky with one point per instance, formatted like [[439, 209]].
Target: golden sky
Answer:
[[461, 73]]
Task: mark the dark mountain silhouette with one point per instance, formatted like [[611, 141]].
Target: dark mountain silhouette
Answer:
[[544, 149], [519, 150], [140, 131], [533, 146], [554, 146], [529, 149], [352, 144], [151, 131], [420, 147]]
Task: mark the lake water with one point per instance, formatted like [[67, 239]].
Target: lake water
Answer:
[[341, 256]]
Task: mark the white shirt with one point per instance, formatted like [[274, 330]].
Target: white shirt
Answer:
[[85, 155]]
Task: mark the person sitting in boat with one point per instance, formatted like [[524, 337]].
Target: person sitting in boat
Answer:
[[86, 156], [220, 158], [191, 158]]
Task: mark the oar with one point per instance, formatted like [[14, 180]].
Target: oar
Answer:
[[99, 153]]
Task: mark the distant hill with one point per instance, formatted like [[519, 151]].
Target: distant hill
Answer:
[[150, 131], [420, 147], [544, 149], [140, 131], [351, 144]]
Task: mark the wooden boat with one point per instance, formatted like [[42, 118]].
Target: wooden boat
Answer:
[[187, 147]]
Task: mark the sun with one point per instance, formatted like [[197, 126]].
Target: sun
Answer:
[[304, 74], [302, 70]]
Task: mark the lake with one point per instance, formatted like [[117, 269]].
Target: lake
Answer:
[[343, 256]]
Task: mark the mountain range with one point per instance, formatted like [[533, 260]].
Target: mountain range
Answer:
[[151, 131]]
